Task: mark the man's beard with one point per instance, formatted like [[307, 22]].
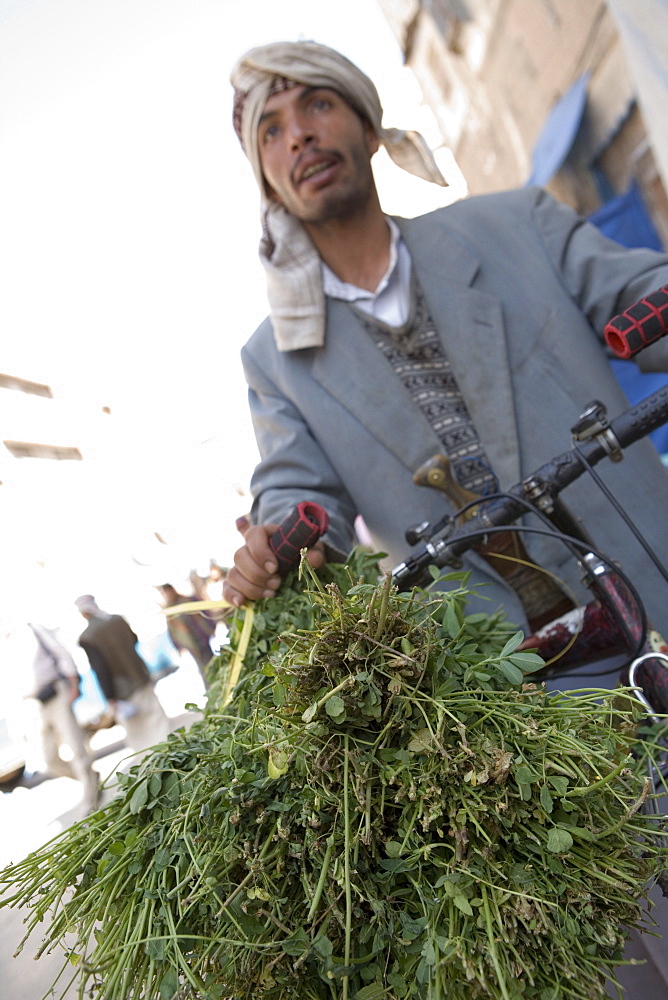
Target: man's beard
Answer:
[[343, 201], [338, 206]]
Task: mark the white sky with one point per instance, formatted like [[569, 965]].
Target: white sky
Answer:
[[128, 235]]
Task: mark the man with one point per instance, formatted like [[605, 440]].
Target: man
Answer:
[[56, 688], [124, 678], [189, 632], [474, 330]]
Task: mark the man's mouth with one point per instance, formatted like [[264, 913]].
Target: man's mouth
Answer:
[[315, 168]]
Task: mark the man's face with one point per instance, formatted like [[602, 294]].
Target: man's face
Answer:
[[315, 153]]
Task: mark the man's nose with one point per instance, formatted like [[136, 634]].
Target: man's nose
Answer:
[[301, 132]]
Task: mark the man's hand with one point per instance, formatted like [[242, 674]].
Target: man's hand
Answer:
[[255, 571]]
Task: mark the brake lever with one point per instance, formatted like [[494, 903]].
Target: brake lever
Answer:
[[447, 541], [414, 571]]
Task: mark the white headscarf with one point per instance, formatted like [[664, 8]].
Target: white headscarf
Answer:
[[291, 262]]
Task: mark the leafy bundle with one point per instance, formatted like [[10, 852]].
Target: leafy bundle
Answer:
[[385, 810]]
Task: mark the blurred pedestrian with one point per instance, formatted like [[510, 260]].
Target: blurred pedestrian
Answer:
[[124, 678], [56, 688], [190, 631], [215, 581], [209, 587]]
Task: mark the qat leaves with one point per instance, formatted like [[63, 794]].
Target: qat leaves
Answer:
[[382, 803], [559, 841]]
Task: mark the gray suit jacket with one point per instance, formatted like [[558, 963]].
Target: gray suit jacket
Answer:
[[519, 288]]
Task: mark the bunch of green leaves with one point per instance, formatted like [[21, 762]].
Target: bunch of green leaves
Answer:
[[292, 608], [385, 810]]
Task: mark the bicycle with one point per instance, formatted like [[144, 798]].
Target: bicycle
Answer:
[[614, 621]]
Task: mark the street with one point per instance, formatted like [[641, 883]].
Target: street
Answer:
[[30, 816]]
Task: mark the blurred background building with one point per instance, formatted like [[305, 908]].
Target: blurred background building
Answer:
[[567, 95], [560, 93]]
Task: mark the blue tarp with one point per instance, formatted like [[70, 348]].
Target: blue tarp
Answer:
[[558, 133], [626, 220]]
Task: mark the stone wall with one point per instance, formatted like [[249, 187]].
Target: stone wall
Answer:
[[493, 70]]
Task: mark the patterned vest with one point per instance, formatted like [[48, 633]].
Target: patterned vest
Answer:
[[415, 353]]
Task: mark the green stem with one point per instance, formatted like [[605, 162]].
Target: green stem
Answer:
[[492, 943], [315, 902], [627, 815], [411, 826], [346, 682], [367, 813], [244, 882], [384, 601], [181, 961], [346, 864], [585, 790]]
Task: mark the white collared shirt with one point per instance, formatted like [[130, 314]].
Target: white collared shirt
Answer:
[[390, 302]]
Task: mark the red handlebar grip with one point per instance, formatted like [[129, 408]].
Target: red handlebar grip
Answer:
[[639, 325], [301, 529]]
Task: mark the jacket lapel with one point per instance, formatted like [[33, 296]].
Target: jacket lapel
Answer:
[[352, 370], [472, 330]]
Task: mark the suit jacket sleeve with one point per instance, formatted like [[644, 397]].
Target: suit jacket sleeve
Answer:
[[293, 466], [603, 277]]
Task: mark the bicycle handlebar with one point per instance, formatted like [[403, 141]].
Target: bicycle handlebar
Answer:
[[639, 326], [300, 530], [447, 543]]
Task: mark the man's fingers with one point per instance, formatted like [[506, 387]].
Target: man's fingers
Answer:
[[254, 574], [255, 571], [256, 558], [242, 524], [238, 589], [316, 555]]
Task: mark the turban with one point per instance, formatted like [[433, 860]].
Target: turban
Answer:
[[291, 262], [87, 605]]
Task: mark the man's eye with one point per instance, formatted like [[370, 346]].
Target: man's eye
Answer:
[[321, 104], [270, 132]]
